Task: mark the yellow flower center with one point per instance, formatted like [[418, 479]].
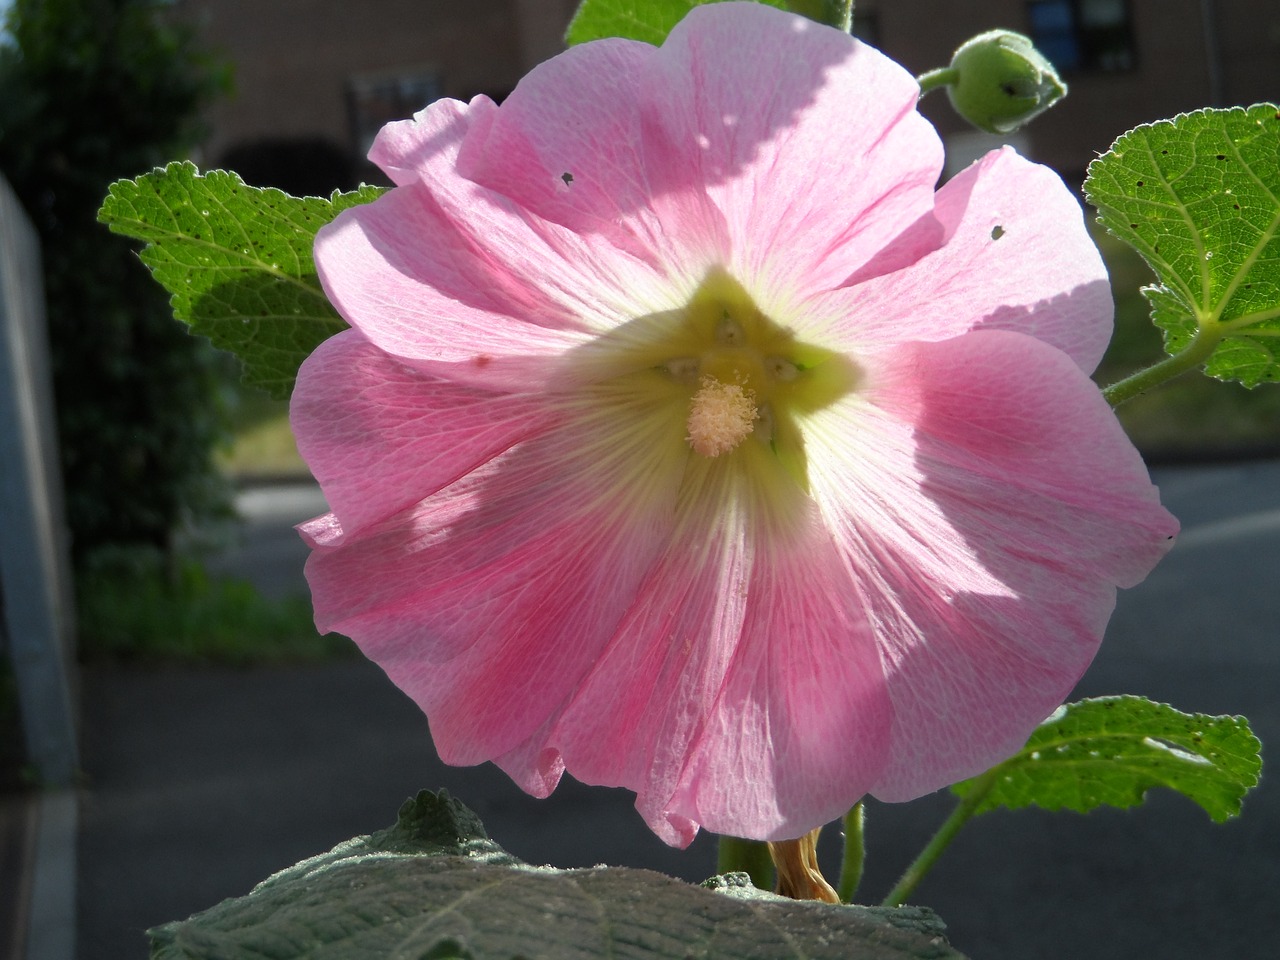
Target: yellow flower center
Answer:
[[713, 393], [744, 379]]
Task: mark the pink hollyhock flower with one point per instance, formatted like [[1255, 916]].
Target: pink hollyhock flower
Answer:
[[687, 440]]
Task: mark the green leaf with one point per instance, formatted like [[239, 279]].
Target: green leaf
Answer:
[[1199, 197], [647, 20], [236, 260], [1111, 750], [434, 886]]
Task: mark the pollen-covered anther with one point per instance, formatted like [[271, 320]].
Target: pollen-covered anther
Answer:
[[721, 416]]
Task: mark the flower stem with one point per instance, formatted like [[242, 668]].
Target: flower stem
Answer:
[[1191, 356], [796, 863], [933, 79], [927, 857], [855, 853], [746, 856]]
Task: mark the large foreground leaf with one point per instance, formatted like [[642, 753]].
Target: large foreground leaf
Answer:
[[236, 260], [434, 886], [1112, 750], [1199, 197]]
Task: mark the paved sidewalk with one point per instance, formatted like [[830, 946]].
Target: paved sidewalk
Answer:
[[201, 782]]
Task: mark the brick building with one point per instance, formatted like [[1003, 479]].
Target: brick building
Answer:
[[1126, 62], [315, 78]]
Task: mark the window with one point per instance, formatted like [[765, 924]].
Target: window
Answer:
[[376, 99], [1083, 35]]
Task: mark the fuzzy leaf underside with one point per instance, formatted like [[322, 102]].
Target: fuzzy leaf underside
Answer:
[[1110, 751], [1198, 196], [434, 886], [236, 261]]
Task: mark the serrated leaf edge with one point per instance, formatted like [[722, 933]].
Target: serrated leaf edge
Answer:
[[153, 233], [1206, 315], [1030, 752]]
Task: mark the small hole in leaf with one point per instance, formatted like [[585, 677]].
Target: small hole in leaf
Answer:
[[1142, 183], [1222, 156]]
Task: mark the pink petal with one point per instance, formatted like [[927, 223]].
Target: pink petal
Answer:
[[443, 271], [675, 156], [487, 602], [801, 726], [948, 275], [809, 142], [742, 690], [380, 435], [585, 282], [601, 163], [634, 715], [487, 263], [987, 503]]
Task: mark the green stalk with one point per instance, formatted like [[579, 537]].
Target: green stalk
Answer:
[[927, 857], [855, 852], [1195, 353], [746, 856], [933, 79]]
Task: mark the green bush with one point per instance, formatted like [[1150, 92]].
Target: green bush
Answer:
[[95, 90], [137, 603]]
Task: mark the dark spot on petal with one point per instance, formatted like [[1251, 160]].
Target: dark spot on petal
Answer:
[[997, 232], [567, 177], [482, 360]]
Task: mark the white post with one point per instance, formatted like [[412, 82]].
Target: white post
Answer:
[[35, 578]]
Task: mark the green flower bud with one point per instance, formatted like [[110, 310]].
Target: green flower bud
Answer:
[[999, 80]]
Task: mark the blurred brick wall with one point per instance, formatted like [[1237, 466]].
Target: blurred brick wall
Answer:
[[1171, 71], [291, 59]]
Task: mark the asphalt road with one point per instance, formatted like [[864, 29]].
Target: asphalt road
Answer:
[[201, 782]]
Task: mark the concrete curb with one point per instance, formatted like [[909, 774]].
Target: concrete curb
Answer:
[[51, 919]]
